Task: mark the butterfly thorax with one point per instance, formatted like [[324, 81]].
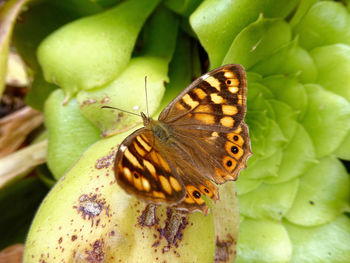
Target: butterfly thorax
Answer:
[[159, 129]]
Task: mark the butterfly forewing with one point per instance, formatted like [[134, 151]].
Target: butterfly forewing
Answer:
[[215, 101], [142, 169]]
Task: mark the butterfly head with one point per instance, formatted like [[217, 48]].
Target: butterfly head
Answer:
[[146, 120]]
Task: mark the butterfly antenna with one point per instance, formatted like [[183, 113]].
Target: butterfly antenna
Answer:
[[146, 96], [113, 108]]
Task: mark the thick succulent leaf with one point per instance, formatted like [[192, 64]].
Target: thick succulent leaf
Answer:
[[253, 77], [263, 241], [38, 20], [325, 243], [265, 133], [258, 41], [343, 151], [325, 23], [39, 91], [289, 90], [159, 34], [93, 50], [180, 70], [327, 119], [298, 156], [117, 94], [266, 136], [333, 66], [262, 168], [302, 8], [285, 117], [183, 7], [296, 60], [269, 201], [246, 185], [229, 18], [70, 133], [323, 194], [256, 89]]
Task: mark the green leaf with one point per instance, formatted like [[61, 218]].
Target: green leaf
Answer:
[[180, 70], [94, 50], [37, 21], [285, 118], [269, 201], [159, 34], [127, 92], [333, 66], [266, 136], [323, 244], [298, 155], [246, 185], [70, 133], [39, 91], [326, 23], [258, 41], [343, 152], [217, 23], [182, 7], [327, 119], [323, 194], [302, 8], [290, 59], [262, 168], [288, 90], [263, 241]]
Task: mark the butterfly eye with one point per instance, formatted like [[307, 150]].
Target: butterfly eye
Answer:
[[228, 82], [235, 138]]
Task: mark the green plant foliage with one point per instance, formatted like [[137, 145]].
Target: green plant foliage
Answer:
[[294, 194]]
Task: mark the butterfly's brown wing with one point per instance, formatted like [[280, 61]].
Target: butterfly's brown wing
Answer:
[[159, 172], [142, 169], [215, 101], [207, 120], [219, 156], [203, 124]]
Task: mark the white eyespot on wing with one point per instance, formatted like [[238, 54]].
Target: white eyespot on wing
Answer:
[[136, 107]]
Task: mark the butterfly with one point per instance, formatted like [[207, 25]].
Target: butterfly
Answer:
[[198, 141]]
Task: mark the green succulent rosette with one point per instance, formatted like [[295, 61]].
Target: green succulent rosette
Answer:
[[295, 190], [293, 198]]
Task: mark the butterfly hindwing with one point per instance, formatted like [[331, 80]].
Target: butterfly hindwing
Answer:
[[219, 156]]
